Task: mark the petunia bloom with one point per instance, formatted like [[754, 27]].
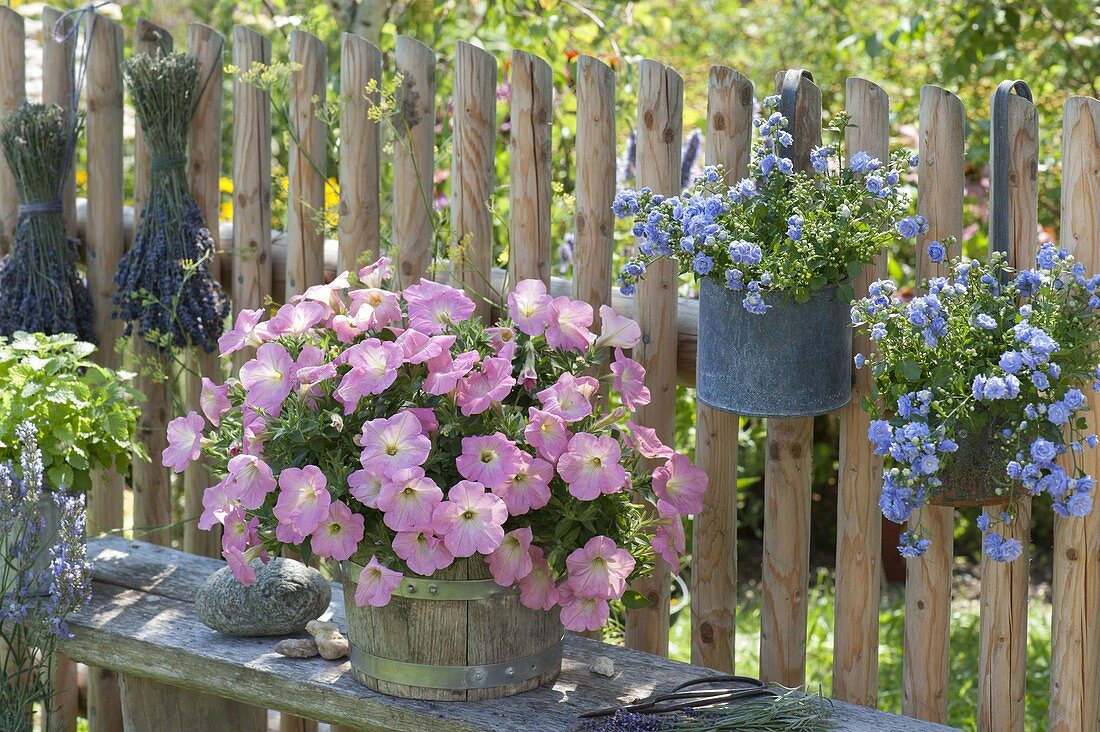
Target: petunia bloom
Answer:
[[216, 505], [365, 485], [599, 569], [547, 433], [590, 466], [184, 438], [445, 371], [529, 488], [376, 584], [580, 614], [292, 320], [470, 520], [491, 460], [668, 537], [422, 551], [339, 533], [407, 500], [214, 400], [374, 365], [511, 561], [239, 531], [681, 484], [244, 332], [393, 444], [568, 324], [250, 480], [645, 441], [630, 381], [267, 378], [618, 331], [480, 390], [433, 306], [537, 590], [303, 499], [569, 397], [529, 307], [376, 273], [240, 566]]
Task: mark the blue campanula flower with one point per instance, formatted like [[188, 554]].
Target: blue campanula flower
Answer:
[[735, 279], [983, 522], [911, 545], [744, 252], [1011, 362], [861, 162], [702, 264], [936, 252], [1043, 451], [878, 332], [874, 184], [1058, 413], [1000, 549], [859, 359], [908, 227], [985, 322], [754, 302]]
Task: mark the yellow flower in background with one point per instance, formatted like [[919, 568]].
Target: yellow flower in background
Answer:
[[81, 178], [225, 185]]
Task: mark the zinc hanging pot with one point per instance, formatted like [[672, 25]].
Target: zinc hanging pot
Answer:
[[456, 636], [795, 360], [975, 472]]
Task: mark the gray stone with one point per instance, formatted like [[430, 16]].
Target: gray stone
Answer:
[[286, 595], [297, 648]]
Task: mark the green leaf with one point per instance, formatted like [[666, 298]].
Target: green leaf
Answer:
[[845, 292], [855, 269], [909, 370], [634, 600]]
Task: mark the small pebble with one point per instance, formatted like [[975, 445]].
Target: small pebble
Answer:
[[603, 666], [330, 641], [297, 648]]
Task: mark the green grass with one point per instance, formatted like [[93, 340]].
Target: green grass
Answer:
[[963, 686]]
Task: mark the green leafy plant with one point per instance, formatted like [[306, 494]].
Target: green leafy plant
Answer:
[[86, 415]]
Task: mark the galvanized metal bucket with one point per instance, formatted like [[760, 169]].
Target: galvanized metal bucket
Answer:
[[451, 640], [976, 471], [795, 360]]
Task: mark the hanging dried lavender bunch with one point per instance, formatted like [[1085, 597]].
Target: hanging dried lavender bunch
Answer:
[[164, 288], [40, 288]]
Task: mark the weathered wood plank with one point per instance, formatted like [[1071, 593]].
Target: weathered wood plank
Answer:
[[307, 165], [152, 632], [12, 93], [414, 160], [529, 151], [58, 77], [360, 151], [149, 705]]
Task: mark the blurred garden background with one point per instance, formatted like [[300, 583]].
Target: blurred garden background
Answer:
[[966, 46]]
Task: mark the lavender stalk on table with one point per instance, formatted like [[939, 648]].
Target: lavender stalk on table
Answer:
[[164, 288]]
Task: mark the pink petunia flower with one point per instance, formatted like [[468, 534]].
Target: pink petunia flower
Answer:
[[529, 307], [339, 534], [630, 381], [184, 440], [240, 566], [292, 320], [668, 537], [568, 324], [244, 332], [216, 505], [422, 551], [214, 400], [547, 433], [537, 590], [374, 365], [470, 520], [569, 397], [591, 466], [491, 460], [240, 532], [480, 390], [376, 273], [445, 371], [503, 343], [268, 378], [376, 584], [433, 306], [580, 614], [599, 569], [407, 500], [329, 295], [529, 488], [511, 561], [303, 500], [250, 480], [365, 485], [374, 308], [645, 441], [428, 421], [393, 444], [681, 484], [418, 348], [253, 426], [618, 331]]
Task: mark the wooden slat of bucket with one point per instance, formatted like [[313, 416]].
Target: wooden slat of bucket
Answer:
[[472, 163], [57, 81], [595, 189], [12, 93], [151, 483], [251, 178], [1075, 673], [928, 578], [1003, 634], [204, 172], [360, 152], [414, 160], [660, 130], [532, 84], [859, 521], [308, 161], [104, 245], [787, 483], [714, 558]]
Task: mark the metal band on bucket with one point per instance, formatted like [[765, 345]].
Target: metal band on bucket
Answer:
[[367, 668], [424, 588]]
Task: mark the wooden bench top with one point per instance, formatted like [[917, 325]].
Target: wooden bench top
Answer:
[[140, 622]]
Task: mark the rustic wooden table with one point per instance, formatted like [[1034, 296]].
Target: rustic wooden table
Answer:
[[140, 623]]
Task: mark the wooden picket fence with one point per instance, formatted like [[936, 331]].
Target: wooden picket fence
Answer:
[[257, 263]]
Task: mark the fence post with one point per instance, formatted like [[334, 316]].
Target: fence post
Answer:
[[859, 521], [204, 171], [12, 93], [414, 161], [1003, 633], [57, 88], [788, 476], [104, 245], [660, 131], [360, 152], [928, 578], [532, 89], [305, 252], [1074, 670], [472, 165], [594, 244], [714, 565]]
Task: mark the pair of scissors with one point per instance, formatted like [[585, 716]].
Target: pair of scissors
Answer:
[[688, 696]]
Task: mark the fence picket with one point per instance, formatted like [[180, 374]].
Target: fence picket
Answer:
[[787, 480], [594, 242], [414, 161], [12, 93], [1075, 673], [859, 521], [532, 85], [57, 81], [660, 131], [472, 171], [714, 554], [204, 171], [308, 162], [928, 578], [1003, 635], [360, 152]]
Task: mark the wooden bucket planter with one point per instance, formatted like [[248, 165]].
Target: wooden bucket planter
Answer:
[[457, 636]]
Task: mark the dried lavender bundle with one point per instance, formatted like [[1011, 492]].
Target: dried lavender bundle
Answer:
[[41, 290], [163, 285]]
